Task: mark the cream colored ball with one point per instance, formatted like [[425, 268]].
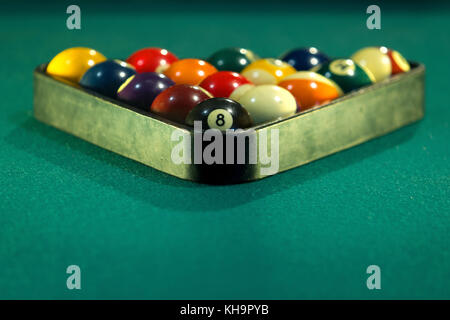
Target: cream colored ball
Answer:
[[268, 102], [240, 91]]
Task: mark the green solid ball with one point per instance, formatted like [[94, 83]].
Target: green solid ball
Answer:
[[346, 73], [232, 59]]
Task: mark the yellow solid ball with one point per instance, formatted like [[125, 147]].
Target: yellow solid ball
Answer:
[[72, 63], [268, 102], [267, 71], [376, 60]]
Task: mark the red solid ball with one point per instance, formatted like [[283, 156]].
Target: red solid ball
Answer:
[[175, 102], [152, 60], [221, 84]]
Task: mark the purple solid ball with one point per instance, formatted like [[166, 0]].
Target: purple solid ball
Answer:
[[141, 89]]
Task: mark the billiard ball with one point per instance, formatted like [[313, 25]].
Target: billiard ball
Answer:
[[267, 71], [152, 60], [239, 92], [268, 102], [232, 59], [106, 77], [376, 60], [141, 89], [310, 89], [398, 62], [221, 84], [304, 58], [346, 73], [219, 113], [190, 71], [175, 102], [72, 63]]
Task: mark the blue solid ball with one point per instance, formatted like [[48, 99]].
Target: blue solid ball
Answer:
[[106, 77], [305, 58]]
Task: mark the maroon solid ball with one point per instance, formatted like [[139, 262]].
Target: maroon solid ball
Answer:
[[141, 89], [176, 102]]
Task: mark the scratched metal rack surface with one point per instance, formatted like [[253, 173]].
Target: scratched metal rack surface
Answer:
[[304, 137]]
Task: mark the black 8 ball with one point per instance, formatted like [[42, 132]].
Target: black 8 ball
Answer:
[[219, 113]]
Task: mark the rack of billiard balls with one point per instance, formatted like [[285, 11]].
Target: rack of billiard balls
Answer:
[[233, 88]]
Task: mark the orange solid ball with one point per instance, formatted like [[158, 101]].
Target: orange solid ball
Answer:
[[310, 89], [190, 71]]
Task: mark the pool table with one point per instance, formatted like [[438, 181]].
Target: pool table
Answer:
[[307, 233]]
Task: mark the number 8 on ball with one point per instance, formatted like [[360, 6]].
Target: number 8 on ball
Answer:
[[219, 113]]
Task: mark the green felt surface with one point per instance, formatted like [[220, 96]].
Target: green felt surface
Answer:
[[307, 233]]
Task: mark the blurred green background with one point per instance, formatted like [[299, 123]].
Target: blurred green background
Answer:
[[307, 233]]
